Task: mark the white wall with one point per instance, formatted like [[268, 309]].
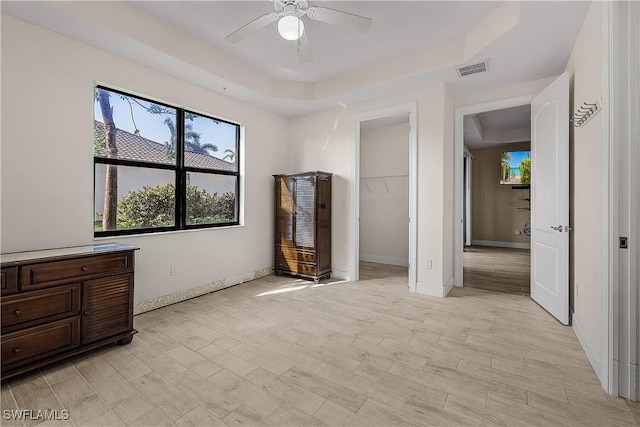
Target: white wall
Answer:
[[47, 161], [512, 91], [448, 181], [587, 145], [384, 194], [324, 141]]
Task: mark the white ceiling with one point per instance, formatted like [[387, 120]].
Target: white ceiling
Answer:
[[498, 127], [410, 44], [398, 27]]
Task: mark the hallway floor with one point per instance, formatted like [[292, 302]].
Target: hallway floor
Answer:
[[497, 269]]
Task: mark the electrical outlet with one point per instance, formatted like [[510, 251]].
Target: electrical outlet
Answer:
[[429, 264], [172, 270]]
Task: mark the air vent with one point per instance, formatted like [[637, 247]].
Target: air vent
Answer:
[[466, 70]]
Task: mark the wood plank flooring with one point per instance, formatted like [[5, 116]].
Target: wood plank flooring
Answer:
[[280, 351], [497, 269]]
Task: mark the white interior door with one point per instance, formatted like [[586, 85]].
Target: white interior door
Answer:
[[550, 198]]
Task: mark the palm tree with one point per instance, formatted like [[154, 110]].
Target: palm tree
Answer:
[[191, 140], [229, 154], [504, 165]]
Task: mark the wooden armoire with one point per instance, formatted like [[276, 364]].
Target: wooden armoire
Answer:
[[303, 225]]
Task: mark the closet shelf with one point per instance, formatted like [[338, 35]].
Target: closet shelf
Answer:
[[384, 176]]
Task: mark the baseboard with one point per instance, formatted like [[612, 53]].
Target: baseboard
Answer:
[[589, 349], [341, 275], [449, 285], [385, 260], [496, 244], [186, 294], [435, 290]]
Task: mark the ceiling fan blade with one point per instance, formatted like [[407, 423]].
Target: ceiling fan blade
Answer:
[[304, 49], [255, 25], [337, 17]]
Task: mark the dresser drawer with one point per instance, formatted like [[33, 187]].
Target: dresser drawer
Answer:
[[295, 254], [295, 266], [9, 280], [48, 273], [309, 269], [40, 341], [31, 308]]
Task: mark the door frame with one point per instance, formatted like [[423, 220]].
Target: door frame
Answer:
[[467, 203], [411, 108], [621, 77], [458, 184]]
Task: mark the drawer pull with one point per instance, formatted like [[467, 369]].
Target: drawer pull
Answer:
[[17, 312], [84, 268], [16, 350], [86, 312]]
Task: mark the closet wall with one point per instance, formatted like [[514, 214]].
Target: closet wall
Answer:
[[384, 194]]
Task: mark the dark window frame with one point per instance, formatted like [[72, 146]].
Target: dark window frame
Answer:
[[180, 171]]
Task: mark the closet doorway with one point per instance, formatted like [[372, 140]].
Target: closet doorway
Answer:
[[384, 196]]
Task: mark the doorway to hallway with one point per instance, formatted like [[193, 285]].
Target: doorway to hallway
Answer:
[[496, 269]]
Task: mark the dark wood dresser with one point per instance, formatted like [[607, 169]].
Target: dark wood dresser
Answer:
[[60, 302], [303, 225]]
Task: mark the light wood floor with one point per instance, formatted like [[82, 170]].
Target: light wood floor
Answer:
[[497, 269], [279, 351], [384, 272]]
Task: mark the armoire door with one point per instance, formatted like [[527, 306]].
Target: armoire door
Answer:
[[305, 212], [323, 237], [285, 211]]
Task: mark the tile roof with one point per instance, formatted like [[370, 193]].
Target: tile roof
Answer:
[[137, 148]]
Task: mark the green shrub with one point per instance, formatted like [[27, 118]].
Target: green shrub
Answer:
[[149, 207], [207, 208], [152, 207]]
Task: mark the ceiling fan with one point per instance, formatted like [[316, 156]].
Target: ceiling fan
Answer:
[[291, 27]]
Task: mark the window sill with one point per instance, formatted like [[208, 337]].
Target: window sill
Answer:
[[165, 233]]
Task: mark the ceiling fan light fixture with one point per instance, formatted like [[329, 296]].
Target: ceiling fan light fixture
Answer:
[[290, 27]]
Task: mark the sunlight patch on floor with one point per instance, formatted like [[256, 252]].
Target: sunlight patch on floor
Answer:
[[282, 290], [330, 283], [300, 284]]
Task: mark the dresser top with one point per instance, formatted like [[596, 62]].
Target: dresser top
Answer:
[[310, 173], [16, 258]]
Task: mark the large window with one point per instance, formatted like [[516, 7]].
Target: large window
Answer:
[[161, 168]]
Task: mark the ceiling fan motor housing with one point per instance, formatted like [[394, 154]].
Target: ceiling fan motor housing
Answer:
[[291, 7], [288, 12]]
